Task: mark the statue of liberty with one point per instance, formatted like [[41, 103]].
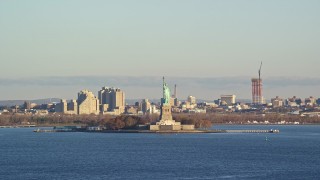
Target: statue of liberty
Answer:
[[166, 93]]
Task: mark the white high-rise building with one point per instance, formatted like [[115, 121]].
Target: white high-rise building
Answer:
[[87, 103], [112, 100]]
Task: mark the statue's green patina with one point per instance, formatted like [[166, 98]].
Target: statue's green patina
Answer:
[[166, 93]]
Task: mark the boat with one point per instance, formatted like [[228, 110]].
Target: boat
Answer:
[[274, 131]]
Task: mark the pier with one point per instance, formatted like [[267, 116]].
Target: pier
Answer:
[[253, 131], [19, 126]]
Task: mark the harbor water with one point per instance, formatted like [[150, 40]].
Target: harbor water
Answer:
[[294, 153]]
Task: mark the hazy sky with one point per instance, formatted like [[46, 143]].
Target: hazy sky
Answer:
[[207, 41]]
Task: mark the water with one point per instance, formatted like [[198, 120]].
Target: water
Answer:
[[292, 154]]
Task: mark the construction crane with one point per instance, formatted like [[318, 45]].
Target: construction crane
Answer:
[[260, 71]]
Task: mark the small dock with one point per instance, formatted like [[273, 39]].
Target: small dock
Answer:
[[44, 130], [51, 130], [62, 129]]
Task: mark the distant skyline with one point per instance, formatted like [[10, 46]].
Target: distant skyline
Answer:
[[55, 48]]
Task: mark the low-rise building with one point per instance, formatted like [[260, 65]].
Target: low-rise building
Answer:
[[228, 99], [311, 101], [145, 106], [191, 100], [277, 102], [131, 110], [67, 107]]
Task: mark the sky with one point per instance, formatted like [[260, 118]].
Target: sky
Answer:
[[208, 47]]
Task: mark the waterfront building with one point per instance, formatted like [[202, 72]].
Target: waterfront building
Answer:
[[112, 100], [228, 99], [87, 103]]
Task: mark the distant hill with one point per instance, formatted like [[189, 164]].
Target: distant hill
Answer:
[[20, 102]]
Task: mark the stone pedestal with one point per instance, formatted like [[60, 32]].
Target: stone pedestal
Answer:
[[166, 122], [165, 112]]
